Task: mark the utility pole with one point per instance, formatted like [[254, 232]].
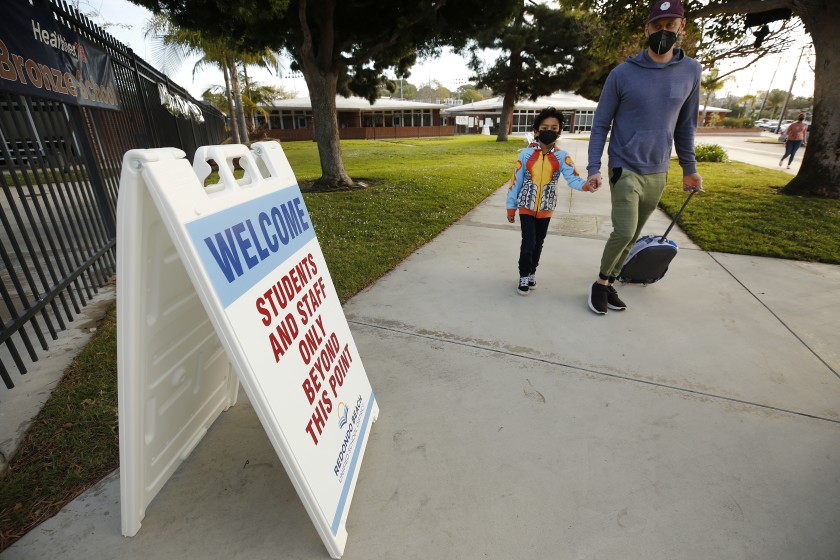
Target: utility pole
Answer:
[[766, 93], [749, 89], [792, 81]]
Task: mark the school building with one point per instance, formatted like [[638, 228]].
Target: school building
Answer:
[[291, 119], [484, 116]]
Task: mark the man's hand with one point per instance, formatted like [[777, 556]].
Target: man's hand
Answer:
[[593, 182], [693, 182], [511, 218]]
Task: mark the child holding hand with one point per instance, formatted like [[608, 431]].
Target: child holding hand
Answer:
[[533, 191]]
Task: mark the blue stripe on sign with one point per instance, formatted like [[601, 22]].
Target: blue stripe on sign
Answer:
[[352, 468], [240, 246]]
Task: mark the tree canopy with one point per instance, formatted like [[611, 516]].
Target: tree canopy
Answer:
[[341, 47], [717, 29], [538, 49], [614, 31]]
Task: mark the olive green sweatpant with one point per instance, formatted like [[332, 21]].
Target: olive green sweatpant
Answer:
[[634, 198]]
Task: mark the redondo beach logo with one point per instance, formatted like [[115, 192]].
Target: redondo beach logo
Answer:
[[342, 414], [348, 442]]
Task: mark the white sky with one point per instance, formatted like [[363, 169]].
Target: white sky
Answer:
[[450, 69]]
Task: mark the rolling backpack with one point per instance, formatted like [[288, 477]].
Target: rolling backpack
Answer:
[[651, 255]]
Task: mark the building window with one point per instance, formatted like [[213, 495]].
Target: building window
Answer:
[[523, 120], [583, 121]]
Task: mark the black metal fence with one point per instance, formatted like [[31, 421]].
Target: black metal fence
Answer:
[[59, 174]]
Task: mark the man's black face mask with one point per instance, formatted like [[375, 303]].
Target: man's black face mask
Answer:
[[662, 41]]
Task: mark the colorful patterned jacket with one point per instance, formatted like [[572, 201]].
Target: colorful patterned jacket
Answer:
[[533, 188]]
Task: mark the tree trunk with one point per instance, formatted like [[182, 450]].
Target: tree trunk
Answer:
[[322, 92], [234, 126], [252, 112], [237, 95], [509, 101], [508, 104], [819, 174], [321, 75]]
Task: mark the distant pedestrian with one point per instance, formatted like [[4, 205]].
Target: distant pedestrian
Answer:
[[795, 137], [652, 102], [533, 191]]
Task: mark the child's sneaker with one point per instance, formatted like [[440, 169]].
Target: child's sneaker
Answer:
[[532, 281], [522, 289]]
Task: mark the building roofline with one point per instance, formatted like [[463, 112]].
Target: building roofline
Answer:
[[355, 104]]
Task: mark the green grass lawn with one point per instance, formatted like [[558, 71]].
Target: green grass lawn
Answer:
[[418, 188], [743, 212]]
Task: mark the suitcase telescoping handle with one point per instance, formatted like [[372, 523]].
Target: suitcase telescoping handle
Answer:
[[677, 216]]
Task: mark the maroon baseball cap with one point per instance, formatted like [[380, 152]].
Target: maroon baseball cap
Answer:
[[666, 9]]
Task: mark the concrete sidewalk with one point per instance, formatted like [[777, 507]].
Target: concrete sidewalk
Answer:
[[703, 422]]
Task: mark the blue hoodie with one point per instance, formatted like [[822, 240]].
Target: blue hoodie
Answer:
[[651, 106]]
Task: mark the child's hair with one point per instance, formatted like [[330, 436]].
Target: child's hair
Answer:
[[547, 113]]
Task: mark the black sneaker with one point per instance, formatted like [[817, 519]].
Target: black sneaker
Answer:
[[613, 301], [522, 289], [598, 298], [532, 281]]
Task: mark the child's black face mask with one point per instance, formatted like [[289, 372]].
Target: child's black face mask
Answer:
[[548, 137]]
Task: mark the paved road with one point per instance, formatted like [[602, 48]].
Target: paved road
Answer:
[[751, 149]]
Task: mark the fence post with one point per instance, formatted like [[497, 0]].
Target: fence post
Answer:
[[143, 101], [94, 163]]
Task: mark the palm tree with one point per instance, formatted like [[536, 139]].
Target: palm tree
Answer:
[[256, 97], [710, 83], [747, 101], [775, 99], [176, 44], [266, 59]]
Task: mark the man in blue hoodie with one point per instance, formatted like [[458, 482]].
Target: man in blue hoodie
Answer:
[[652, 101]]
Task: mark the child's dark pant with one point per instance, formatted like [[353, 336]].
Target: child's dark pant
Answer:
[[533, 235]]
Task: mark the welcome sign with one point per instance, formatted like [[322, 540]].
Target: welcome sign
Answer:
[[251, 251]]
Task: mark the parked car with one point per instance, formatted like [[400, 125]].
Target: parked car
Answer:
[[761, 122], [769, 125]]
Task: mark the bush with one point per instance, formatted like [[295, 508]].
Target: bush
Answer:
[[710, 152], [731, 122]]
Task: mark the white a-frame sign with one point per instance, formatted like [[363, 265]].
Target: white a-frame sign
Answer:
[[230, 278]]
